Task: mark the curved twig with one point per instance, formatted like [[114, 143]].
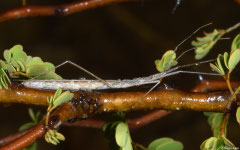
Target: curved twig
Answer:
[[56, 10], [27, 139]]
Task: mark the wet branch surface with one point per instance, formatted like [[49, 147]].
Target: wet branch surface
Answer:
[[86, 104], [55, 10]]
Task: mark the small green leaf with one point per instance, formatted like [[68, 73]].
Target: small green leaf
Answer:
[[51, 132], [215, 120], [202, 147], [238, 115], [128, 145], [3, 81], [121, 134], [37, 59], [7, 55], [234, 59], [226, 58], [55, 139], [36, 62], [172, 145], [50, 66], [206, 43], [16, 48], [154, 144], [208, 36], [218, 143], [31, 114], [167, 61], [57, 93], [236, 43], [49, 75], [3, 64], [20, 56], [64, 97], [215, 68], [203, 50], [220, 60], [10, 68], [29, 59], [14, 64], [50, 100], [198, 44], [59, 136], [210, 142], [165, 144], [52, 141], [22, 66], [35, 70]]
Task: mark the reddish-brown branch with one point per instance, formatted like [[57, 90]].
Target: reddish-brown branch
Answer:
[[146, 119], [214, 85], [26, 139], [132, 123], [13, 137], [56, 10]]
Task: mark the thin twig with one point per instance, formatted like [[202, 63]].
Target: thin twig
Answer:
[[55, 10]]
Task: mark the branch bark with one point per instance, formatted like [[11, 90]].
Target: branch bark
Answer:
[[56, 10], [85, 104]]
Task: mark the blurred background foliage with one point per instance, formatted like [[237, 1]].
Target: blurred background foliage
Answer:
[[116, 42]]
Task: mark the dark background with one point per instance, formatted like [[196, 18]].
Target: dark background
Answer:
[[115, 42]]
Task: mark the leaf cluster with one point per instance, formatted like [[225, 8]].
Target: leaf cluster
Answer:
[[215, 120], [167, 61], [204, 44], [18, 64], [226, 62], [59, 98], [54, 137], [219, 140]]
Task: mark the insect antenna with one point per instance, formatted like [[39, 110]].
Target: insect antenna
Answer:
[[178, 2]]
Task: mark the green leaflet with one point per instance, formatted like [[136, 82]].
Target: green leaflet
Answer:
[[36, 70], [16, 48], [225, 62], [215, 121], [238, 115], [7, 55], [122, 136], [165, 144], [234, 59], [218, 67], [236, 43], [205, 44], [167, 61]]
